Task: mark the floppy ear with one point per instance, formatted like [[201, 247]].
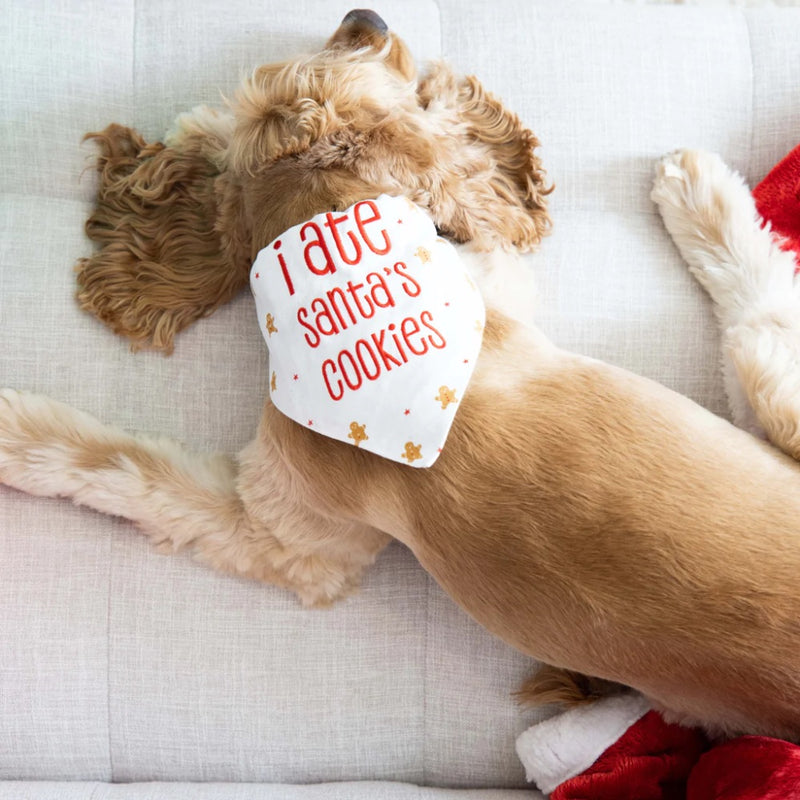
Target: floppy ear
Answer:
[[173, 246], [501, 190]]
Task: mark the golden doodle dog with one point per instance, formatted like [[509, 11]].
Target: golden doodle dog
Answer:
[[593, 519]]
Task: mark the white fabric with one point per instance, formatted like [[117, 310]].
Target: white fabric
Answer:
[[120, 664], [568, 744], [373, 327]]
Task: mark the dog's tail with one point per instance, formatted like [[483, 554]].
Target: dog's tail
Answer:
[[169, 226], [563, 687]]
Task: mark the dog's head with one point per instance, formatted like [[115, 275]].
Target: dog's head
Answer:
[[355, 120], [180, 223]]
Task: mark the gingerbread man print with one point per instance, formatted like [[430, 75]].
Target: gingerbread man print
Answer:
[[271, 325], [446, 396], [357, 433], [412, 452]]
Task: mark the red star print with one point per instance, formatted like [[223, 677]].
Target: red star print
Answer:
[[466, 361], [295, 377], [447, 304], [399, 222], [257, 275], [311, 422], [407, 411]]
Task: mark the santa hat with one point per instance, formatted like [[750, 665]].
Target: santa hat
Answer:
[[778, 201], [620, 749], [617, 748]]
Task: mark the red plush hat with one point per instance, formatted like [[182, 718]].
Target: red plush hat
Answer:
[[620, 749], [617, 748], [747, 768], [778, 201]]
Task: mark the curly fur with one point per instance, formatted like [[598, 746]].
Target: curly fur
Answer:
[[171, 250], [177, 235]]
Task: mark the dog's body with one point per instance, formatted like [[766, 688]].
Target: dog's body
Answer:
[[593, 519]]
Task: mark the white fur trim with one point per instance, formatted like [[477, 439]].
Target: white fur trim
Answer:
[[567, 745]]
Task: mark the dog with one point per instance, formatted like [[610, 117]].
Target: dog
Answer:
[[593, 519]]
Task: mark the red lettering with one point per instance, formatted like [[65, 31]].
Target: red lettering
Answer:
[[408, 283], [329, 267], [380, 287], [302, 315], [388, 360], [357, 381], [362, 223], [284, 269], [370, 357], [426, 318], [397, 344], [363, 345], [339, 293], [328, 364], [331, 223], [408, 327], [324, 316], [353, 288]]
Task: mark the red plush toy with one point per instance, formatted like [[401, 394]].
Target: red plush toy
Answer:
[[778, 201], [619, 748]]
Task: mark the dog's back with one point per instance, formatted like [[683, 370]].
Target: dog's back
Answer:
[[605, 524]]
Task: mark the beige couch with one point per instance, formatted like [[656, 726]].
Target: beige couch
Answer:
[[120, 665]]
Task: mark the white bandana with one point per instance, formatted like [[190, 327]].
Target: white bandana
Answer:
[[373, 327]]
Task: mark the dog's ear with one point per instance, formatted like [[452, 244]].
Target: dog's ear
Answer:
[[500, 190], [171, 232]]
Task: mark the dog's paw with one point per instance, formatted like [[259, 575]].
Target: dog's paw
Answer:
[[318, 582], [681, 191], [712, 218], [696, 193], [692, 182], [16, 433], [36, 434], [684, 166], [12, 446], [708, 210]]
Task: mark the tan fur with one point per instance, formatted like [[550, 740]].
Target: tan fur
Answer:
[[591, 518], [173, 246], [562, 687], [178, 224]]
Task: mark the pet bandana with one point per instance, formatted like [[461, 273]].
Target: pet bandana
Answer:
[[373, 327]]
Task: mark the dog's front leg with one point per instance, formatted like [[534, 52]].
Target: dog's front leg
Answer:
[[711, 215], [182, 499]]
